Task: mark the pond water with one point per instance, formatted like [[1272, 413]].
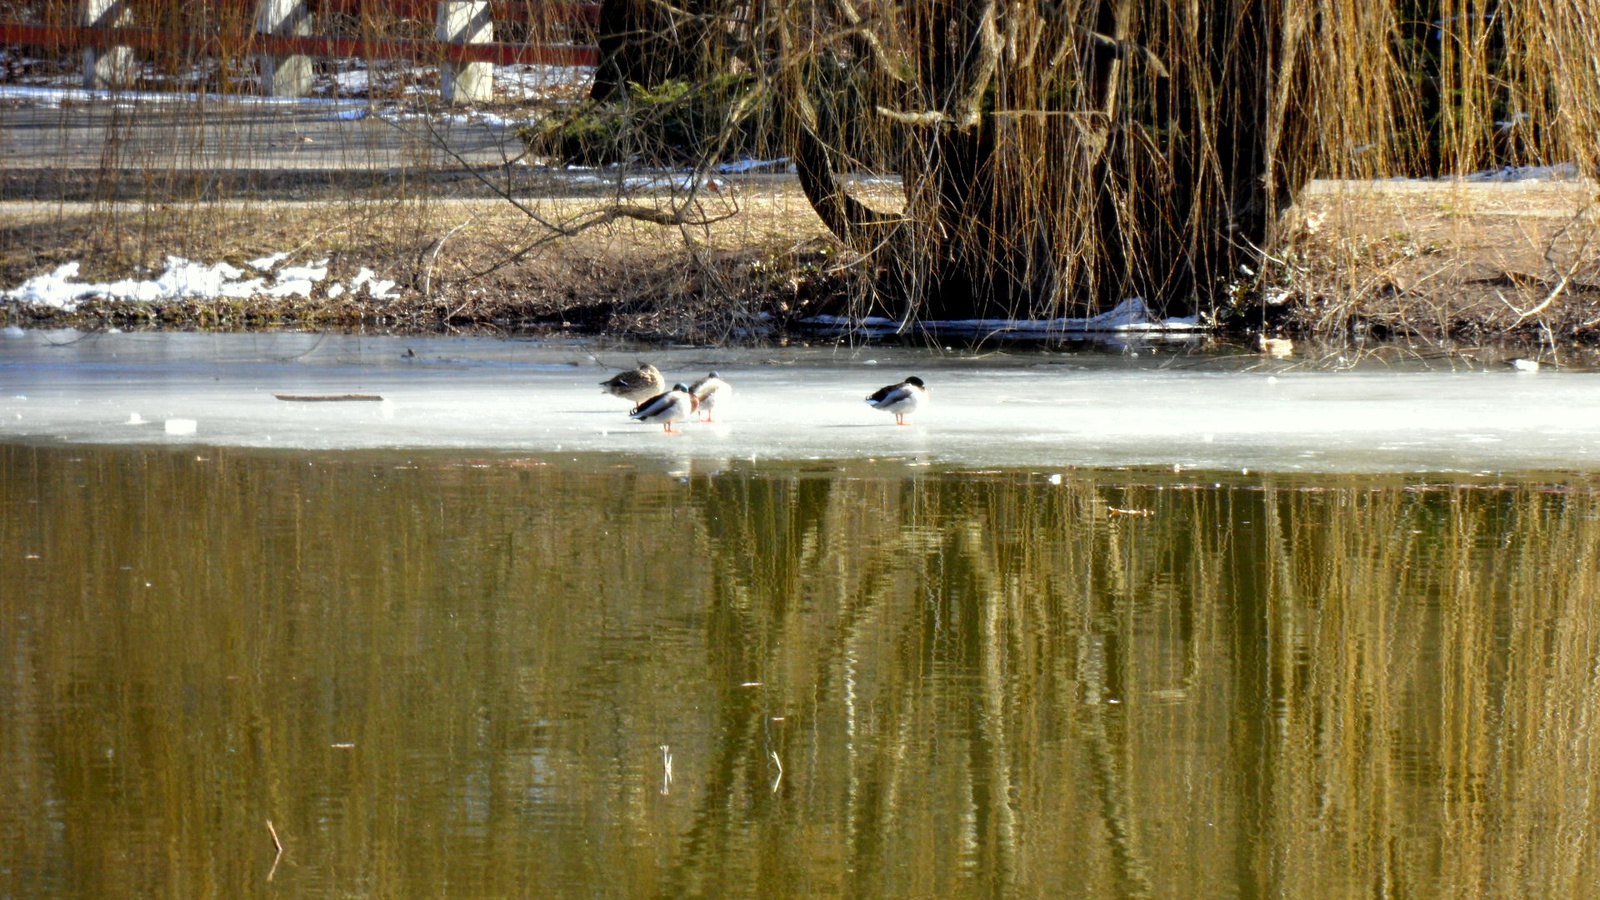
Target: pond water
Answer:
[[507, 670]]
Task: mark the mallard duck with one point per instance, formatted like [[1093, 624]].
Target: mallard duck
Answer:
[[901, 399], [707, 391], [636, 384], [673, 406]]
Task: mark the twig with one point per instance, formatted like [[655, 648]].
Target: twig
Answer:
[[924, 119], [438, 142], [1566, 276], [1550, 338], [279, 845], [604, 217], [977, 74], [866, 42], [427, 273], [1121, 48], [779, 763], [1549, 299], [582, 223]]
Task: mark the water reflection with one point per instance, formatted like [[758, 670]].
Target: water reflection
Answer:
[[438, 676]]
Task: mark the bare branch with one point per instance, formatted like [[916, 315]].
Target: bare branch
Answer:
[[920, 119], [866, 44], [596, 218], [439, 143], [969, 102], [1121, 49], [1566, 277], [849, 219], [433, 257], [678, 216], [677, 13]]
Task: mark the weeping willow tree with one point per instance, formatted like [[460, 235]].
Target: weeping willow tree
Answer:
[[1056, 156]]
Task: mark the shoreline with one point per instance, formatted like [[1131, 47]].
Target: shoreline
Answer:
[[1514, 262]]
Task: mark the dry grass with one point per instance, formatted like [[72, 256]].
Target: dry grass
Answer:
[[1451, 259], [1429, 259], [459, 264]]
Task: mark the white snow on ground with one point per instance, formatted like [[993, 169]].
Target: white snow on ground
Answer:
[[353, 82], [1560, 172], [650, 182], [50, 97], [740, 166], [377, 288], [1131, 315], [539, 82], [186, 280]]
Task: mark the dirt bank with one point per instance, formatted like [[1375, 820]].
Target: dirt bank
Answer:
[[1459, 260], [1466, 260]]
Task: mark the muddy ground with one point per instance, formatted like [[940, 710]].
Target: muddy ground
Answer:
[[1462, 261]]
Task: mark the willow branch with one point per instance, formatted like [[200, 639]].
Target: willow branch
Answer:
[[678, 13], [968, 107], [925, 119], [847, 218], [1119, 48], [866, 44]]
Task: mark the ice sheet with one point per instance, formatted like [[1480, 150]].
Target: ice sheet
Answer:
[[1035, 409]]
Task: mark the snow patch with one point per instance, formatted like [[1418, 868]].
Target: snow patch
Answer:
[[754, 165], [1560, 172], [1129, 316], [183, 279], [377, 289], [265, 263], [51, 97], [313, 272]]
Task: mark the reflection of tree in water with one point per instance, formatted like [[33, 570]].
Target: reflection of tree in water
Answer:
[[976, 674], [975, 684], [886, 622]]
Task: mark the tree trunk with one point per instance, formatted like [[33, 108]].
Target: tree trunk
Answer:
[[644, 44], [1165, 175]]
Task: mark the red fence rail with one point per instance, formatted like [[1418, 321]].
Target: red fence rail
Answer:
[[72, 37], [500, 10]]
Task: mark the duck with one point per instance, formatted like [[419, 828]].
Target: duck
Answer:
[[636, 384], [673, 406], [707, 392], [902, 398]]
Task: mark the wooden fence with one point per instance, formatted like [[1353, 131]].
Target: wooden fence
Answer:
[[284, 39]]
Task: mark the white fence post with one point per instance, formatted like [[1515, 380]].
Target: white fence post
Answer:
[[112, 67], [465, 22], [284, 76]]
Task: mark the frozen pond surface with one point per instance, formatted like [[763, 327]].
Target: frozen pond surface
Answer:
[[1159, 406]]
